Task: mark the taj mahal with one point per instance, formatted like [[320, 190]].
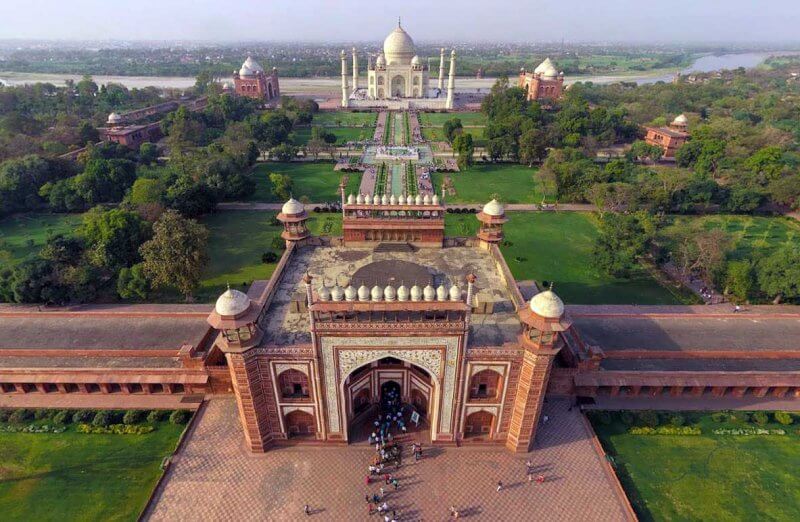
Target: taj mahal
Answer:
[[398, 79]]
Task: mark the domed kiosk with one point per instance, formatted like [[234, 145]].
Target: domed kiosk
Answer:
[[293, 216], [236, 317]]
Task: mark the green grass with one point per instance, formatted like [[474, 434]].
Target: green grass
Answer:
[[511, 183], [23, 235], [237, 239], [752, 237], [74, 476], [437, 134], [317, 181], [345, 118], [557, 246], [707, 477], [437, 119], [343, 134]]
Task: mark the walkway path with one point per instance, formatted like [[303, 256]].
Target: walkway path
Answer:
[[214, 478]]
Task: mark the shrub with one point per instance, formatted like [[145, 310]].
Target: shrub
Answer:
[[115, 429], [82, 416], [4, 415], [62, 417], [603, 417], [626, 418], [42, 413], [739, 417], [155, 416], [278, 243], [760, 418], [269, 257], [101, 418], [648, 418], [665, 430], [719, 416], [179, 417], [21, 415], [676, 420], [132, 417], [784, 417]]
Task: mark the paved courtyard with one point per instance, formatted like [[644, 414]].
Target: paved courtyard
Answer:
[[213, 477]]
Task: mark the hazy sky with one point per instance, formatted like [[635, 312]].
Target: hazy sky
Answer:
[[351, 20]]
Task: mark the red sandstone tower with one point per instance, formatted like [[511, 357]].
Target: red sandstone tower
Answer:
[[492, 218], [293, 216]]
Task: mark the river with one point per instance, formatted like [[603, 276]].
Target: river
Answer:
[[330, 86]]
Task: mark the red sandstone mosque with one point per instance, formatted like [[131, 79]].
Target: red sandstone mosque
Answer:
[[251, 81], [544, 83], [669, 138], [396, 307]]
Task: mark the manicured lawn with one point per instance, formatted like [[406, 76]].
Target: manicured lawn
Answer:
[[707, 476], [75, 476], [23, 235], [750, 235], [317, 181], [345, 118], [557, 246], [237, 240], [343, 134], [511, 183], [437, 119]]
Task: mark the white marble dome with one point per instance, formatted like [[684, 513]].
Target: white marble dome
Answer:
[[455, 293], [415, 61], [376, 200], [337, 294], [398, 47], [376, 293], [381, 61], [494, 209], [389, 293], [441, 293], [232, 303], [402, 293], [681, 119], [428, 293], [410, 200], [360, 199], [323, 293], [393, 200], [547, 304], [416, 293], [426, 199], [114, 118], [292, 207], [546, 69], [385, 200], [250, 67], [418, 199], [351, 199], [435, 199], [350, 293], [363, 293]]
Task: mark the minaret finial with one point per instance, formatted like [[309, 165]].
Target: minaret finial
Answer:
[[551, 285], [398, 22]]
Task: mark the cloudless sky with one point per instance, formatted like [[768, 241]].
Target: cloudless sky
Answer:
[[357, 20]]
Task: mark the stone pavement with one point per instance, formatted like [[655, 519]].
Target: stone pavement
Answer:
[[213, 478]]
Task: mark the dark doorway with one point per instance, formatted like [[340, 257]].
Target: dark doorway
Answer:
[[390, 391]]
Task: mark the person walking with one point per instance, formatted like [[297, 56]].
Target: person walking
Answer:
[[540, 479], [499, 485], [383, 492], [395, 483], [367, 480], [306, 510], [453, 512]]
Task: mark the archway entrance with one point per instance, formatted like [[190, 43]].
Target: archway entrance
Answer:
[[384, 396], [398, 86]]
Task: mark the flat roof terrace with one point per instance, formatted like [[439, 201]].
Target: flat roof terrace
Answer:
[[340, 264]]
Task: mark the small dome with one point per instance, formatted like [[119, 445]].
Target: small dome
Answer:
[[385, 200], [428, 293], [547, 304], [415, 60], [418, 199], [292, 207], [360, 199], [376, 200], [402, 293], [323, 293], [546, 69], [389, 293], [455, 293], [337, 294], [393, 200], [441, 293], [350, 293], [232, 303], [398, 46], [416, 293], [376, 293], [410, 200], [351, 199], [250, 67], [426, 199], [114, 118], [494, 208], [381, 61], [363, 293], [435, 199], [679, 120]]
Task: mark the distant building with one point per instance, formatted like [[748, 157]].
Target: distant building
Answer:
[[251, 81], [544, 83], [669, 138], [132, 136], [479, 74]]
